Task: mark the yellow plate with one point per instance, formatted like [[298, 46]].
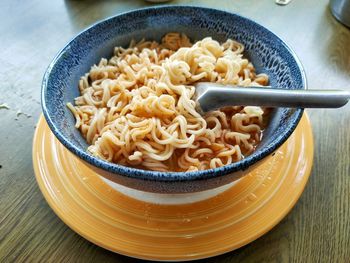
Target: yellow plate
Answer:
[[232, 219]]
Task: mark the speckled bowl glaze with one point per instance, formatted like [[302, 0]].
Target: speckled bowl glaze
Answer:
[[268, 53]]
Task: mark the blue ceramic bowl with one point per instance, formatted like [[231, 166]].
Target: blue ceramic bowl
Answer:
[[267, 52]]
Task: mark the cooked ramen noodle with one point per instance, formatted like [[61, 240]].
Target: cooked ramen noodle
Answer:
[[137, 109]]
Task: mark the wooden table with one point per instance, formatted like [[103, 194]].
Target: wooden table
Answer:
[[32, 32]]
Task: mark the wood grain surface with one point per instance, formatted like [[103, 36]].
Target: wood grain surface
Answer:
[[32, 32]]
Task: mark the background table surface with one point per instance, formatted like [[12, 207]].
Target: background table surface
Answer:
[[32, 32]]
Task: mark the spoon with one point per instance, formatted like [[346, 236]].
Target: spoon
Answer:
[[211, 96]]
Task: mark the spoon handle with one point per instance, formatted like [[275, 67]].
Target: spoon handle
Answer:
[[211, 96]]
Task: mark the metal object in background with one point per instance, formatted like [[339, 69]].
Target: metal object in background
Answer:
[[157, 1], [283, 2], [341, 11]]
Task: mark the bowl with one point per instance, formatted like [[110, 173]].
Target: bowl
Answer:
[[268, 53]]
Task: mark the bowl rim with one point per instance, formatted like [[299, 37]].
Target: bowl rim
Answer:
[[149, 175]]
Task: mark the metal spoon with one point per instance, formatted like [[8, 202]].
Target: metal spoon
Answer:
[[211, 96]]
